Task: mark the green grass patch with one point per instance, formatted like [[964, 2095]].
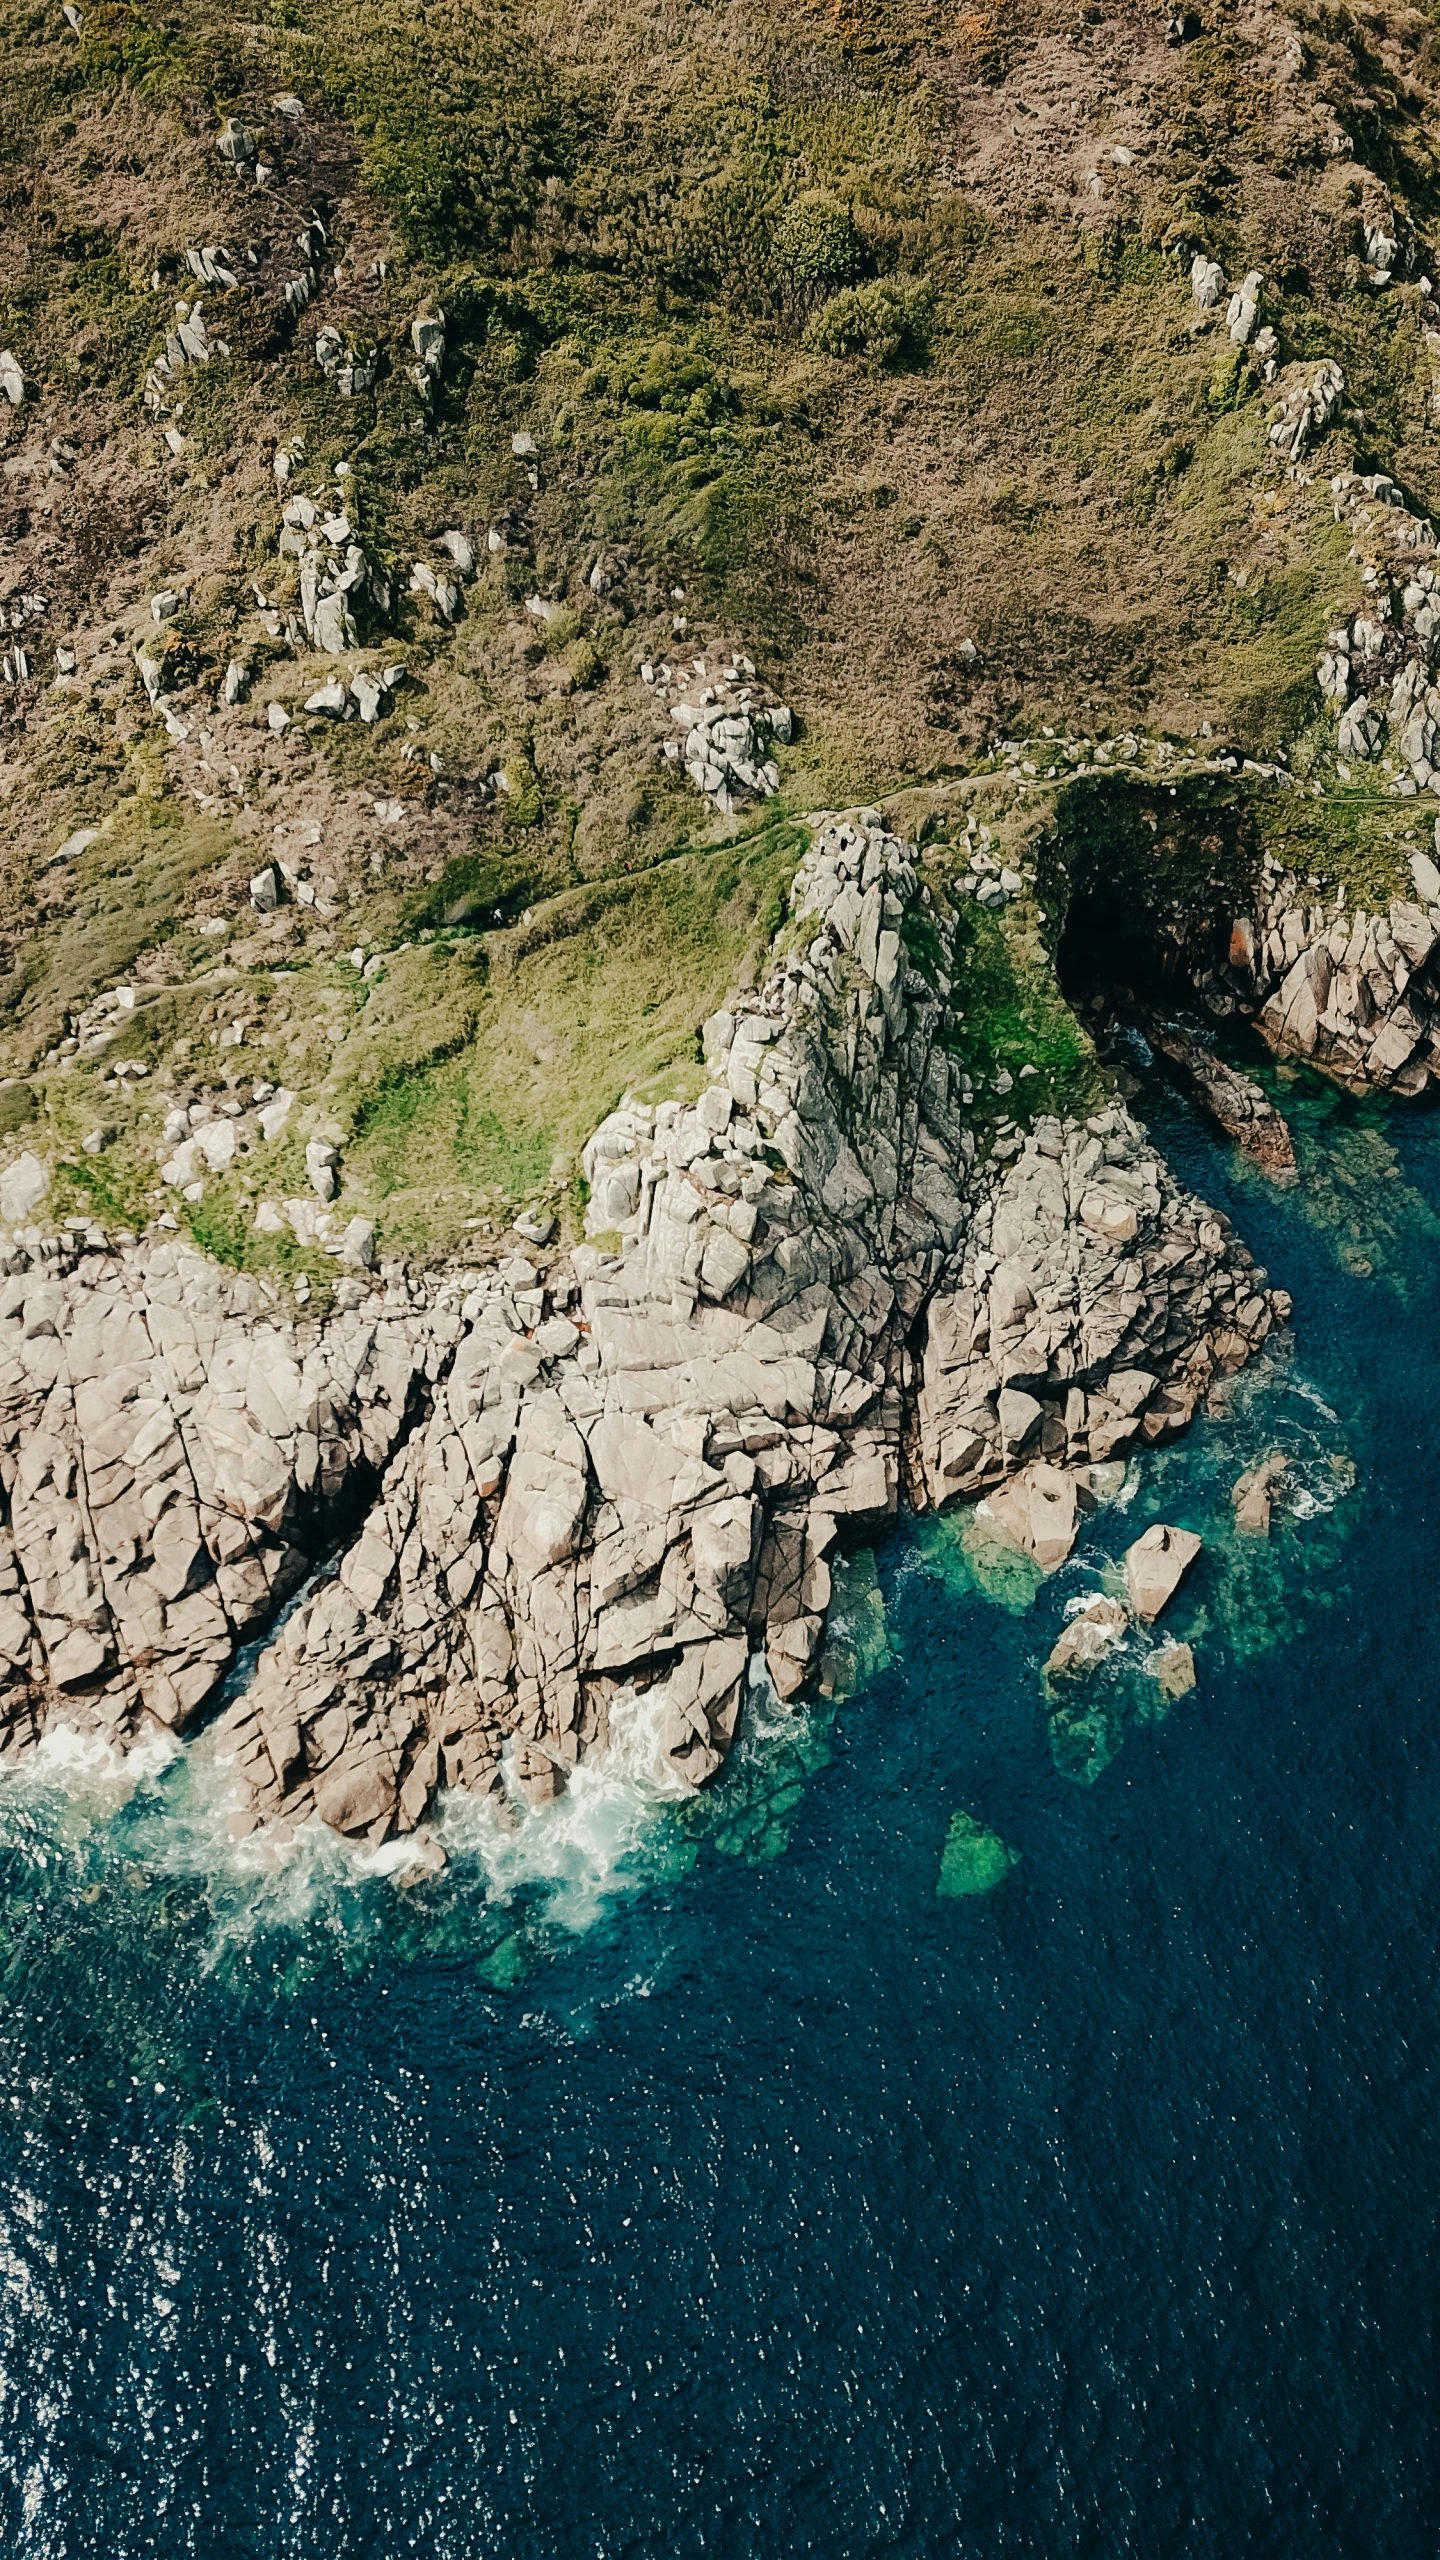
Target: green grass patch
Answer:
[[437, 1117], [603, 992], [18, 1106], [223, 1225], [1007, 1012], [131, 888]]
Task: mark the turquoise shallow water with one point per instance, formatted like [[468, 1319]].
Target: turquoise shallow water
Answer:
[[699, 2181]]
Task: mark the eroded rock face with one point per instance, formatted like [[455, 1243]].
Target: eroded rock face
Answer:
[[1090, 1306], [172, 1457], [630, 1471], [1354, 993], [651, 1489]]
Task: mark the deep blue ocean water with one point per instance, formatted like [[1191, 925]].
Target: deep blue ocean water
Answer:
[[678, 2183]]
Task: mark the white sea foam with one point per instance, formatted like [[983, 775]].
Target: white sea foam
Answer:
[[1302, 1387], [87, 1760], [174, 1812]]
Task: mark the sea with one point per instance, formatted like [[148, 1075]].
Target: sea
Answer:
[[1001, 2117]]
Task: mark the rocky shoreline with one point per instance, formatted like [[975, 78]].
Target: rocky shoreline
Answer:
[[518, 1494]]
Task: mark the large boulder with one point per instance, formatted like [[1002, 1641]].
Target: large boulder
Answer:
[[1037, 1510], [1156, 1566], [23, 1186], [1086, 1638]]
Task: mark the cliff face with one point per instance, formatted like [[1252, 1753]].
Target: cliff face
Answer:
[[626, 1467], [176, 1455]]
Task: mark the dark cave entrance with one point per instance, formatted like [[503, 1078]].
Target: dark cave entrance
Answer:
[[1151, 882], [1159, 901]]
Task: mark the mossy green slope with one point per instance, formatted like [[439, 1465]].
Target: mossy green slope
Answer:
[[863, 344]]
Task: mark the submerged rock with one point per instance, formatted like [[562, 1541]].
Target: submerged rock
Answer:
[[1253, 1494], [975, 1860], [1174, 1668], [1235, 1104]]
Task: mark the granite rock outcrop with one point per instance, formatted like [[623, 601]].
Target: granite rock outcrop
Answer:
[[1354, 993], [507, 1502]]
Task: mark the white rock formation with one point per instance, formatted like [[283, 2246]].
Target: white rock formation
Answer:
[[1243, 309], [1156, 1566], [632, 1469], [1305, 409], [1355, 993]]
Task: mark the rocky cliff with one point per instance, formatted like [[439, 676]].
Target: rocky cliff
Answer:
[[543, 1484]]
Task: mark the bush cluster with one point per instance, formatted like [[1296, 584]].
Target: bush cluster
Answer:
[[817, 242], [880, 322]]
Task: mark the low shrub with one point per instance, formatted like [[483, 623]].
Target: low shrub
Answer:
[[817, 242], [880, 323]]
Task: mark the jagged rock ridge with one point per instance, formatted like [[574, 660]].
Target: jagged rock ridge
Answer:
[[633, 1470]]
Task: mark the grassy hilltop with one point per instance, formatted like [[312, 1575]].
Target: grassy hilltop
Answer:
[[857, 341]]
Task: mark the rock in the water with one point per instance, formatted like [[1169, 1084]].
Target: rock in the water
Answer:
[[1233, 1102], [1156, 1565], [1087, 1638], [1037, 1509], [1253, 1494], [975, 1860], [1174, 1667]]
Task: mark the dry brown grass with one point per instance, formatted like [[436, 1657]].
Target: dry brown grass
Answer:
[[1045, 479]]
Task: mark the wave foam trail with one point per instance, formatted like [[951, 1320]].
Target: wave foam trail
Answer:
[[519, 1879], [167, 1810]]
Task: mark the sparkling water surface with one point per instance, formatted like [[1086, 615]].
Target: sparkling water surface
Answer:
[[678, 2180]]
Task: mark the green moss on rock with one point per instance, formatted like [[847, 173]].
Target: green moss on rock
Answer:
[[975, 1860]]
